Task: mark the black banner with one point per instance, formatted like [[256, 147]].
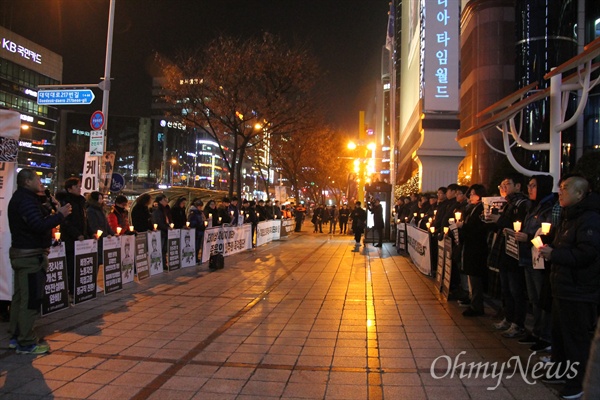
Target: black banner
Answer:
[[141, 256], [113, 280], [56, 295], [86, 270]]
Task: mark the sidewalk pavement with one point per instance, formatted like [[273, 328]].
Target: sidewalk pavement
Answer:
[[310, 317]]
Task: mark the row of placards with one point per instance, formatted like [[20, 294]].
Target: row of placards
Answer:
[[124, 258]]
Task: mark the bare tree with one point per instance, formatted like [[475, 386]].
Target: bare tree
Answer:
[[233, 88]]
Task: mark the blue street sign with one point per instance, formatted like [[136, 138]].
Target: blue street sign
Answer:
[[118, 183], [65, 96]]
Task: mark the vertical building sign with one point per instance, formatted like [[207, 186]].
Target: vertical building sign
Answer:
[[441, 52]]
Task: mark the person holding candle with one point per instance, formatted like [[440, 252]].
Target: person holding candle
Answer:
[[512, 276], [118, 216], [162, 217], [74, 227], [210, 212], [178, 213], [459, 282], [223, 214], [31, 236], [473, 236], [574, 255], [542, 203], [234, 211], [140, 213], [196, 219], [97, 220]]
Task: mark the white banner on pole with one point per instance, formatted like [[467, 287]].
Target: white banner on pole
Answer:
[[10, 128], [188, 248], [7, 185], [418, 248], [155, 251], [91, 171], [127, 260], [267, 231], [227, 240]]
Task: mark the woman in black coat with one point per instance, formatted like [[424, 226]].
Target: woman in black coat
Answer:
[[473, 236], [178, 213], [140, 214]]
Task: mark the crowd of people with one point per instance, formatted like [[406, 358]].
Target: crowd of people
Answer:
[[556, 279]]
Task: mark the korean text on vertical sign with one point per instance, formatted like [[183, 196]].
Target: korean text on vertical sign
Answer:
[[442, 49]]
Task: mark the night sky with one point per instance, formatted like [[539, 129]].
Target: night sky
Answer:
[[345, 35]]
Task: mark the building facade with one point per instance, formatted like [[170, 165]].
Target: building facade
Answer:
[[23, 66]]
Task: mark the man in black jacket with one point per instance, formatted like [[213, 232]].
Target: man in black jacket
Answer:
[[575, 280], [512, 276], [75, 226], [31, 230]]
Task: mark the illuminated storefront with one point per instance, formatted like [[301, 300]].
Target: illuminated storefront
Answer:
[[23, 66]]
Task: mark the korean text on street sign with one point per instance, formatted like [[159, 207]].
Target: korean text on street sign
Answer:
[[65, 96]]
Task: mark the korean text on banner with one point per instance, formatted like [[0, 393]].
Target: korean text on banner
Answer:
[[418, 248]]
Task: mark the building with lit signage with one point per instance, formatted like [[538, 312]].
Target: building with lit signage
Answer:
[[427, 68], [23, 66], [503, 46], [190, 157]]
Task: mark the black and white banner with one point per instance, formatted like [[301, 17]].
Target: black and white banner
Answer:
[[56, 294], [267, 231], [174, 249], [226, 240], [86, 270], [155, 251], [127, 258], [113, 278], [418, 248], [188, 248], [142, 264]]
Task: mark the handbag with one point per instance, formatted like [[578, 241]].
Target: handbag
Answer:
[[216, 261]]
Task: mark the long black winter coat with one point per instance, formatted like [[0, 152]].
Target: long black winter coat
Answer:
[[473, 236], [575, 271]]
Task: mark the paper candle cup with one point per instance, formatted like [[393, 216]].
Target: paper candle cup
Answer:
[[187, 224], [517, 226], [172, 225], [131, 228], [57, 236], [427, 225], [446, 229], [119, 229], [98, 234], [457, 215], [451, 220], [537, 242], [546, 227], [155, 226]]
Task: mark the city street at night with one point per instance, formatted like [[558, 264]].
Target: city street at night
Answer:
[[310, 317]]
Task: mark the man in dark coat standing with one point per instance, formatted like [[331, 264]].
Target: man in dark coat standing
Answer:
[[574, 279], [75, 226], [31, 232]]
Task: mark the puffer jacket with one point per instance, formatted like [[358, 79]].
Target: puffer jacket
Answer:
[[575, 258]]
